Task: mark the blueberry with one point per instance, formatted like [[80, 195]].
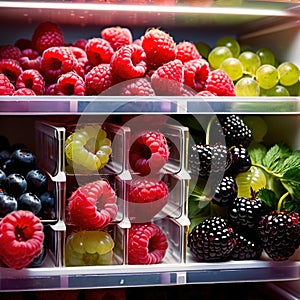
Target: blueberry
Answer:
[[9, 167], [36, 181], [31, 202], [4, 156], [48, 201], [2, 179], [8, 204], [15, 184], [23, 160]]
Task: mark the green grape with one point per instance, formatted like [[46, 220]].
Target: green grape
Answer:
[[294, 89], [254, 179], [267, 76], [233, 67], [250, 61], [278, 91], [203, 49], [102, 156], [288, 73], [232, 44], [71, 149], [266, 56], [247, 87], [258, 127], [218, 55]]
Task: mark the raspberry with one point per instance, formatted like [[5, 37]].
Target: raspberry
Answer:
[[70, 84], [93, 206], [245, 213], [205, 94], [129, 62], [186, 51], [6, 88], [117, 36], [98, 51], [147, 244], [47, 35], [212, 240], [168, 79], [219, 83], [33, 80], [23, 44], [196, 73], [50, 89], [146, 197], [57, 61], [10, 51], [30, 59], [279, 233], [207, 159], [137, 87], [246, 247], [24, 92], [80, 43], [21, 238], [225, 192], [80, 55], [10, 68], [149, 153], [98, 79], [236, 132], [159, 46]]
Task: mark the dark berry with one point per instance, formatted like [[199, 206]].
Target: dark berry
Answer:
[[206, 159], [8, 204], [279, 233], [241, 161], [37, 182], [4, 156], [225, 192], [236, 132], [2, 179], [48, 204], [246, 248], [245, 212], [211, 240], [15, 184], [23, 160], [39, 259], [29, 201]]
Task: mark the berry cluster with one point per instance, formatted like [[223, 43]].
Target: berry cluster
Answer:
[[46, 65], [22, 185]]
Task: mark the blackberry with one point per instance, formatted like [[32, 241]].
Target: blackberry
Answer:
[[236, 132], [225, 192], [205, 159], [246, 247], [245, 212], [279, 233], [241, 161], [211, 240]]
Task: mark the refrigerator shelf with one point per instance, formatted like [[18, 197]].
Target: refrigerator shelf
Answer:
[[152, 275]]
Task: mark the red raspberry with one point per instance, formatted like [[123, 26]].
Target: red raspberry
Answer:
[[6, 88], [24, 92], [10, 51], [31, 79], [80, 55], [80, 43], [205, 94], [30, 60], [219, 83], [47, 35], [148, 153], [186, 51], [196, 73], [98, 51], [70, 84], [117, 36], [93, 206], [57, 61], [23, 44], [168, 79], [159, 46], [147, 244], [137, 87], [146, 198], [10, 68], [50, 89], [129, 62], [98, 79], [21, 238]]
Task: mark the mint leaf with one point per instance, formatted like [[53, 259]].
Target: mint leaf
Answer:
[[291, 182], [257, 152], [268, 197]]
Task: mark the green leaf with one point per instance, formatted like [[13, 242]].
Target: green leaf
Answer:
[[268, 197], [257, 152], [291, 182]]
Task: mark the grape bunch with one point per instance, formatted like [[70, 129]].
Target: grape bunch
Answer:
[[254, 72]]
